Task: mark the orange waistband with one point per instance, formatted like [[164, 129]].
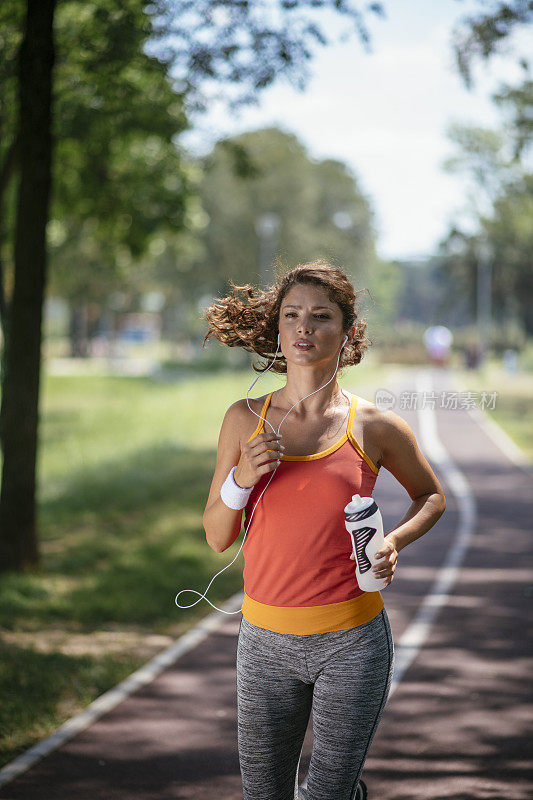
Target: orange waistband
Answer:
[[313, 619]]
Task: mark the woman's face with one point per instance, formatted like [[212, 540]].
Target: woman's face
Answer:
[[307, 313]]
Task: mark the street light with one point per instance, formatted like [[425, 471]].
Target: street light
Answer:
[[484, 282], [267, 227]]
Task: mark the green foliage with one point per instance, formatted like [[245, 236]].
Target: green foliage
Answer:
[[518, 100], [512, 409], [510, 233], [36, 685], [125, 210], [117, 174], [247, 46], [400, 343], [501, 204], [125, 468], [480, 155], [500, 187], [321, 210], [11, 24], [387, 283], [481, 35]]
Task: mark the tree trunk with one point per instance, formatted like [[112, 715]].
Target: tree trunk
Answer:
[[6, 173], [20, 384]]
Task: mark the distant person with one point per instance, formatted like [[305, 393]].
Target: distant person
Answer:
[[472, 356], [309, 638], [438, 340]]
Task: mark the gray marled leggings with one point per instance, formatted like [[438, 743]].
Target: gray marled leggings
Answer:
[[344, 676]]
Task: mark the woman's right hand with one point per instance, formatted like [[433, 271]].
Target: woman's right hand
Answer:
[[259, 456]]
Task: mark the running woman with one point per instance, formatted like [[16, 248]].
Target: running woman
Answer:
[[309, 638]]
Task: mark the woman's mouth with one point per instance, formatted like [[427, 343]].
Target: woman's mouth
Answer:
[[303, 345]]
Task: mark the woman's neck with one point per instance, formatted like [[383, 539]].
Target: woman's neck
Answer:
[[326, 398]]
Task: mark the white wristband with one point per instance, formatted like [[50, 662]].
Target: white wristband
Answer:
[[233, 495]]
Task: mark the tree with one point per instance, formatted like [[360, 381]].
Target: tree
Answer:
[[228, 43], [320, 207], [118, 174], [11, 24], [510, 235], [485, 157], [500, 188], [217, 47], [500, 206], [19, 414], [482, 35], [518, 101]]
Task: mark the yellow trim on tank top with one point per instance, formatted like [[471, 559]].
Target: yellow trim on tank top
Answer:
[[348, 436], [260, 425], [306, 620]]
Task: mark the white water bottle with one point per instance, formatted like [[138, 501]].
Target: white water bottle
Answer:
[[365, 526]]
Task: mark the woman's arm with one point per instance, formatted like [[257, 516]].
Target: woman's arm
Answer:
[[222, 525], [401, 456], [253, 460]]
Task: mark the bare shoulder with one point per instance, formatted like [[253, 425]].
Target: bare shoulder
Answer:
[[241, 419], [382, 431], [373, 418], [392, 441], [383, 424]]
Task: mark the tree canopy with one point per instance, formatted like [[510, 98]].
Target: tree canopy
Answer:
[[483, 34]]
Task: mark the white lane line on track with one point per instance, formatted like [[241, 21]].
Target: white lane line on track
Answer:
[[416, 634], [406, 649], [414, 637], [113, 697]]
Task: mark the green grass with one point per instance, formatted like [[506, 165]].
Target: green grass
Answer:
[[124, 468], [40, 690], [513, 407]]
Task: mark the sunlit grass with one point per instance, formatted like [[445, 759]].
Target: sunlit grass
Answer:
[[124, 468], [513, 409], [40, 690]]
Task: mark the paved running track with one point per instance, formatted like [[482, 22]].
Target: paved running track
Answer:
[[457, 725]]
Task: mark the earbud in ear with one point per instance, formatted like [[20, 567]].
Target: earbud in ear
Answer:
[[344, 342], [278, 338]]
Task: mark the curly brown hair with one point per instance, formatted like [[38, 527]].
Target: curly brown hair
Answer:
[[252, 322]]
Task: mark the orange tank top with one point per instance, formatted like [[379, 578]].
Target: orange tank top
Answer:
[[298, 576]]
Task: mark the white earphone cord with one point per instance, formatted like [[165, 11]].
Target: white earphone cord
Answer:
[[262, 493]]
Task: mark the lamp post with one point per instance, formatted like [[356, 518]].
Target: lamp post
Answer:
[[267, 227], [484, 283]]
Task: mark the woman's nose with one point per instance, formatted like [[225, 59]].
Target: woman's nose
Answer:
[[304, 325]]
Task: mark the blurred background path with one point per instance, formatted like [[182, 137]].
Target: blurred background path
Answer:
[[456, 725], [152, 155]]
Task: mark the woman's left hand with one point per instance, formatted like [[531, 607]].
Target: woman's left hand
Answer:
[[387, 556]]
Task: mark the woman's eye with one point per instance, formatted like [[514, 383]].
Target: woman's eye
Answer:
[[292, 314]]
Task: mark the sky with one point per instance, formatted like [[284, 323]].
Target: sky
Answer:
[[386, 115]]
